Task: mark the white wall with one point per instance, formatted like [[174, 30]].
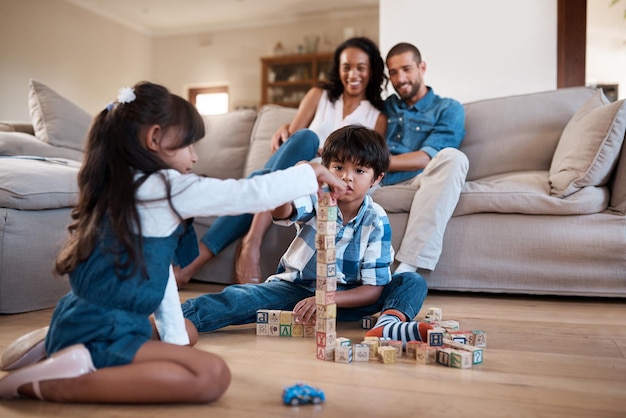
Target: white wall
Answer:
[[83, 57], [232, 58], [606, 44], [477, 49]]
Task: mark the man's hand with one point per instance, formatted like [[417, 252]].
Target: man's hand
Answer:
[[279, 137]]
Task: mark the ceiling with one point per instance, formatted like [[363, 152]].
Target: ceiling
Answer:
[[170, 17]]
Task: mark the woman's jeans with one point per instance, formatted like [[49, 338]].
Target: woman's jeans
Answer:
[[301, 146], [237, 304]]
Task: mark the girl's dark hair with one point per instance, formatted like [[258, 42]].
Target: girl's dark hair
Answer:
[[107, 182], [377, 81], [359, 145]]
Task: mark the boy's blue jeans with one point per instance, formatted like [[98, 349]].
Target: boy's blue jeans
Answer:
[[301, 146], [237, 304]]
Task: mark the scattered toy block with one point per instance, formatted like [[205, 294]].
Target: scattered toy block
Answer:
[[425, 354], [343, 354], [368, 322], [386, 354], [343, 341], [398, 346], [435, 337], [460, 359], [411, 347], [373, 347], [443, 356], [477, 352], [361, 352], [434, 314], [479, 338]]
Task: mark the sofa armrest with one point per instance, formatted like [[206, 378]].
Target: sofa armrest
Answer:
[[617, 203], [19, 143], [25, 127]]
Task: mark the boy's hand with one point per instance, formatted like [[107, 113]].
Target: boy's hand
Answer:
[[304, 311], [337, 186], [279, 137]]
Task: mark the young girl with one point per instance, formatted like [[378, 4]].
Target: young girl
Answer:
[[352, 95], [136, 190]]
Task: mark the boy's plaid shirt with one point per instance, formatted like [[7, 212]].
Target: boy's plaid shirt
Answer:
[[363, 246]]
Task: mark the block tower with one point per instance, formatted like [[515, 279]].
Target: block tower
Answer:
[[326, 287]]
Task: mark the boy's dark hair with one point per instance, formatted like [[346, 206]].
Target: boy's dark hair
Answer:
[[404, 47], [378, 78], [107, 181], [359, 145]]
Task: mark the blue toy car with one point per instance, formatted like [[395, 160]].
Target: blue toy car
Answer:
[[301, 394]]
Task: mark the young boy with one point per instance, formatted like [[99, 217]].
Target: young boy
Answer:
[[359, 156]]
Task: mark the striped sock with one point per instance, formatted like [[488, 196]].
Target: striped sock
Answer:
[[390, 326]]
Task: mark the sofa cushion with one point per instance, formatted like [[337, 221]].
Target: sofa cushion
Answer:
[[19, 143], [589, 146], [518, 133], [35, 183], [522, 192], [56, 120], [223, 150], [268, 120]]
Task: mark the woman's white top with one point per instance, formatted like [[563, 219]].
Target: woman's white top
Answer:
[[329, 116]]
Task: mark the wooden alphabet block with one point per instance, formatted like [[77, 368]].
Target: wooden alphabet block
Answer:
[[411, 348], [325, 353], [435, 337], [327, 227], [327, 284], [443, 356], [286, 317], [326, 269], [327, 256], [262, 316], [425, 354], [324, 242], [434, 314], [368, 322], [460, 359], [297, 330], [262, 328], [325, 339], [327, 213], [327, 200], [324, 298], [309, 330], [361, 352], [373, 348], [285, 330], [386, 355], [273, 316], [326, 325], [479, 338], [273, 329], [327, 311], [398, 346], [343, 354], [343, 341]]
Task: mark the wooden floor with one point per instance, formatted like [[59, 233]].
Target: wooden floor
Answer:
[[546, 357]]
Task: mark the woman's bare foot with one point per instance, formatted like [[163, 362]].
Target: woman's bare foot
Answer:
[[247, 269]]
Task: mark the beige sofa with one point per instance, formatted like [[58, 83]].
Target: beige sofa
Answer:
[[543, 210]]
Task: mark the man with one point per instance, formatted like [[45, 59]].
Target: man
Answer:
[[424, 132]]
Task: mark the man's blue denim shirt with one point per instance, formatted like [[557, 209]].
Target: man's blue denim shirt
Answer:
[[431, 124]]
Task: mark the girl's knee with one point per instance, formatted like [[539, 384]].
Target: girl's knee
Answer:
[[213, 380]]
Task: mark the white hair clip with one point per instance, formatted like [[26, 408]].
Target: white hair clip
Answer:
[[126, 95]]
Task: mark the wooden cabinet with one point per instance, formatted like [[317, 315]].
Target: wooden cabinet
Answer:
[[285, 79]]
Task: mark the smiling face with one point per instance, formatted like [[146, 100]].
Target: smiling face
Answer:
[[407, 77], [354, 71]]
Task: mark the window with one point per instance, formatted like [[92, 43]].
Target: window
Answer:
[[210, 100]]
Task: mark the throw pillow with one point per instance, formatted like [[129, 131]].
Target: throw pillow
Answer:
[[56, 120], [589, 145]]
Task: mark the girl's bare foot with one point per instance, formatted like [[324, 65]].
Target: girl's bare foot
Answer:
[[247, 269]]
